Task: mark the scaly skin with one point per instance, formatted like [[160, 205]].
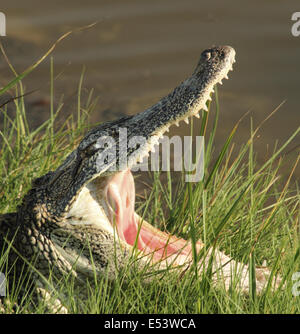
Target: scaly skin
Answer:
[[43, 231]]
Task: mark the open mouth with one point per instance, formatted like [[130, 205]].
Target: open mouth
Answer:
[[109, 203], [119, 193]]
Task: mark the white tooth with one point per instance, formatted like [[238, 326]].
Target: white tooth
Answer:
[[154, 141], [212, 90], [177, 123], [220, 82], [209, 98], [140, 159], [197, 115], [226, 77], [205, 107], [186, 121]]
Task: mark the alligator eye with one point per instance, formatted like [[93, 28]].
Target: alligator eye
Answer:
[[89, 151]]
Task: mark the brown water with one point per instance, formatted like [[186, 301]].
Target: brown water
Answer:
[[141, 49]]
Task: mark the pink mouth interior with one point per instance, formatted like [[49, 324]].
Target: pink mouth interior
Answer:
[[120, 194]]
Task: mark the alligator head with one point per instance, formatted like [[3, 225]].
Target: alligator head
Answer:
[[94, 185]]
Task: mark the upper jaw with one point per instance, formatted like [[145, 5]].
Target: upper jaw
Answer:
[[130, 139], [89, 160]]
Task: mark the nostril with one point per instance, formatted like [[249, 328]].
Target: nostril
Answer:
[[206, 55]]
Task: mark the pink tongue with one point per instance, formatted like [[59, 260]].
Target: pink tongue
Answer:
[[120, 193], [121, 197]]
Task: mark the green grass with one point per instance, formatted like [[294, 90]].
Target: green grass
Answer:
[[249, 211]]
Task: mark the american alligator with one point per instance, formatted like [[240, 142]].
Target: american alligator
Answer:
[[80, 218]]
